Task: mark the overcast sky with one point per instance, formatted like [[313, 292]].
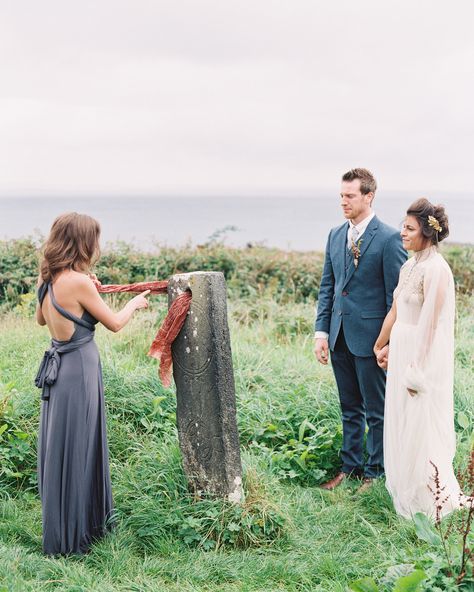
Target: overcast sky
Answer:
[[251, 96]]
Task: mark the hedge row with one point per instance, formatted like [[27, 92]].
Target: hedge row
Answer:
[[285, 276]]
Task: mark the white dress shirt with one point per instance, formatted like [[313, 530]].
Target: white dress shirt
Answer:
[[361, 228]]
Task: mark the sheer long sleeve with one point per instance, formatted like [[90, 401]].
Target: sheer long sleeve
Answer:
[[435, 322]]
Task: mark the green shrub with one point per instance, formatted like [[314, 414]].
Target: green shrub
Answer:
[[19, 261], [302, 452], [249, 272], [17, 449]]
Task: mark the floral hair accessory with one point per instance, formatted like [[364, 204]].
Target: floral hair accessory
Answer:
[[433, 222]]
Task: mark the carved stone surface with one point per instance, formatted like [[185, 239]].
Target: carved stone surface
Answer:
[[204, 377]]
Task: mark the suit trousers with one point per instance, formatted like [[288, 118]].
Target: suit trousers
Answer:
[[361, 385]]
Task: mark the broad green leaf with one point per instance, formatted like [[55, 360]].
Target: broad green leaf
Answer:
[[463, 420], [425, 529], [208, 544], [364, 585], [397, 571], [302, 430], [301, 463], [303, 458], [410, 583], [3, 428], [21, 435]]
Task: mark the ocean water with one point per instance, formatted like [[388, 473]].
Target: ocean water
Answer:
[[294, 223]]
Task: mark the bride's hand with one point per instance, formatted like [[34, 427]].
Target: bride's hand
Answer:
[[382, 356]]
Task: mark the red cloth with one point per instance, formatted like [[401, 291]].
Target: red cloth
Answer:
[[154, 287], [169, 330]]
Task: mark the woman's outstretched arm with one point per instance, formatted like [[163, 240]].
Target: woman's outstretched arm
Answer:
[[90, 300]]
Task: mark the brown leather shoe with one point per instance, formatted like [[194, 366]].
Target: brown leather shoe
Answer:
[[366, 485], [335, 482]]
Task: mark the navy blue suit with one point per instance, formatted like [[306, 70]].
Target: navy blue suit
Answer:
[[353, 302]]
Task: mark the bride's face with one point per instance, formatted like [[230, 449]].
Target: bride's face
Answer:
[[412, 237]]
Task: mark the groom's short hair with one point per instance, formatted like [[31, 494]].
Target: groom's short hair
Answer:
[[367, 180]]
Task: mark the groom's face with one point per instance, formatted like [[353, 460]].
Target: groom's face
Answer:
[[355, 205]]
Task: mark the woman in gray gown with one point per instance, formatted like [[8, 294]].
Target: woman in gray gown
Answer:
[[73, 467]]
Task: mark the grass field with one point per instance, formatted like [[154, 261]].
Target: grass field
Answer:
[[289, 536]]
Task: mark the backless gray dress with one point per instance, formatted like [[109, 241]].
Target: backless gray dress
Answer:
[[73, 465]]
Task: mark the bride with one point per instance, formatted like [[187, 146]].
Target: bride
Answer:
[[419, 436]]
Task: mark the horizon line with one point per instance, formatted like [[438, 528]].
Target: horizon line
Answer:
[[300, 193]]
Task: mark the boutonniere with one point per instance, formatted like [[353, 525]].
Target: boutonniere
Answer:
[[356, 251]]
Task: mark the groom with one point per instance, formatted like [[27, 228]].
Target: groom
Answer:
[[361, 269]]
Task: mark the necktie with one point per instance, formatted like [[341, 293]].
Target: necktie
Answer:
[[353, 235]]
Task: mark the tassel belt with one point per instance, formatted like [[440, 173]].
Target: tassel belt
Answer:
[[51, 362]]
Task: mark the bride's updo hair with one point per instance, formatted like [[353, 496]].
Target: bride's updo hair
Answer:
[[424, 211], [73, 243]]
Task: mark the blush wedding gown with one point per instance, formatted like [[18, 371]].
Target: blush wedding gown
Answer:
[[419, 431]]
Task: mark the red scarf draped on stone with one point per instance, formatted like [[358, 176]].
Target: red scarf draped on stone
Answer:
[[169, 330]]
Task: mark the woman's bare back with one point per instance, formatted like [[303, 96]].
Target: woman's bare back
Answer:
[[65, 289]]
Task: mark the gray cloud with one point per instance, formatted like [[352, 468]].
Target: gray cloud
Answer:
[[230, 96]]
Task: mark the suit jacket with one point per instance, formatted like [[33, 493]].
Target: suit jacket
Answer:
[[358, 299]]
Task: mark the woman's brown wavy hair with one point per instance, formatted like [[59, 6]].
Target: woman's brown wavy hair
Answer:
[[73, 243]]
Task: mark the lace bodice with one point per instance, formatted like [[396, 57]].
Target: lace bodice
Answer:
[[415, 275], [411, 280]]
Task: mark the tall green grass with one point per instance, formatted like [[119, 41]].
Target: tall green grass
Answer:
[[289, 535]]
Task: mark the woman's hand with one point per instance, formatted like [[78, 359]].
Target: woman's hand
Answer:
[[90, 299], [382, 356], [95, 279], [140, 300]]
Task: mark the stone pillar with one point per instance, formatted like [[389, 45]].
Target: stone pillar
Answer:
[[204, 377]]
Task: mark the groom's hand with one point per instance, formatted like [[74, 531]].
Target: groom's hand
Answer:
[[321, 350]]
